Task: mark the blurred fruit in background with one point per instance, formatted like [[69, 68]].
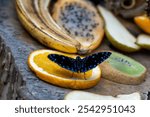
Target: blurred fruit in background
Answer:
[[143, 22], [126, 8]]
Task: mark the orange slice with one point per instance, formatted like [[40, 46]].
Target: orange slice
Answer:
[[52, 73], [143, 22]]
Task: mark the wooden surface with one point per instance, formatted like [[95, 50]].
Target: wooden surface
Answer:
[[28, 86]]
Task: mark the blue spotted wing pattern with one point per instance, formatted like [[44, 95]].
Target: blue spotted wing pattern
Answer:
[[92, 61], [63, 61], [80, 65]]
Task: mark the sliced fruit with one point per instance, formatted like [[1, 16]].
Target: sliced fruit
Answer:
[[30, 13], [143, 22], [80, 95], [117, 34], [144, 41], [52, 73], [122, 69], [36, 18], [80, 19]]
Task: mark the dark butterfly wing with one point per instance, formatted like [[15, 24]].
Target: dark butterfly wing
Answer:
[[92, 61], [63, 61]]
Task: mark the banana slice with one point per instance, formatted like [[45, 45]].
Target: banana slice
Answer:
[[36, 18], [41, 7], [35, 25]]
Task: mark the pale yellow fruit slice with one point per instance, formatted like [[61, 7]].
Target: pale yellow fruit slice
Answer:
[[144, 41], [117, 34], [52, 73], [80, 95]]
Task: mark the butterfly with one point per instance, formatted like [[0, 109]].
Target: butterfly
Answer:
[[79, 65]]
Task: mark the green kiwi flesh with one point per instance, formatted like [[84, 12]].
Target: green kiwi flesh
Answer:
[[122, 69]]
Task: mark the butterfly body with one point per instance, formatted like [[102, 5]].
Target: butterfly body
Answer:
[[79, 65]]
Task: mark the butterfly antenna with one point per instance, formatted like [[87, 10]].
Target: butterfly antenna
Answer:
[[148, 8]]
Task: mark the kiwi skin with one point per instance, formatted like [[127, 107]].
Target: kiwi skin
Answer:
[[112, 74]]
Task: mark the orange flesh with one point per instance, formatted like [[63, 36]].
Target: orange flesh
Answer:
[[143, 22], [50, 67]]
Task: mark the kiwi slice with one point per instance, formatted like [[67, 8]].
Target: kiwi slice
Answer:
[[122, 69], [144, 41]]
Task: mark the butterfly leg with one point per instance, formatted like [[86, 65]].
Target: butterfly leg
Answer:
[[84, 76], [72, 74]]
